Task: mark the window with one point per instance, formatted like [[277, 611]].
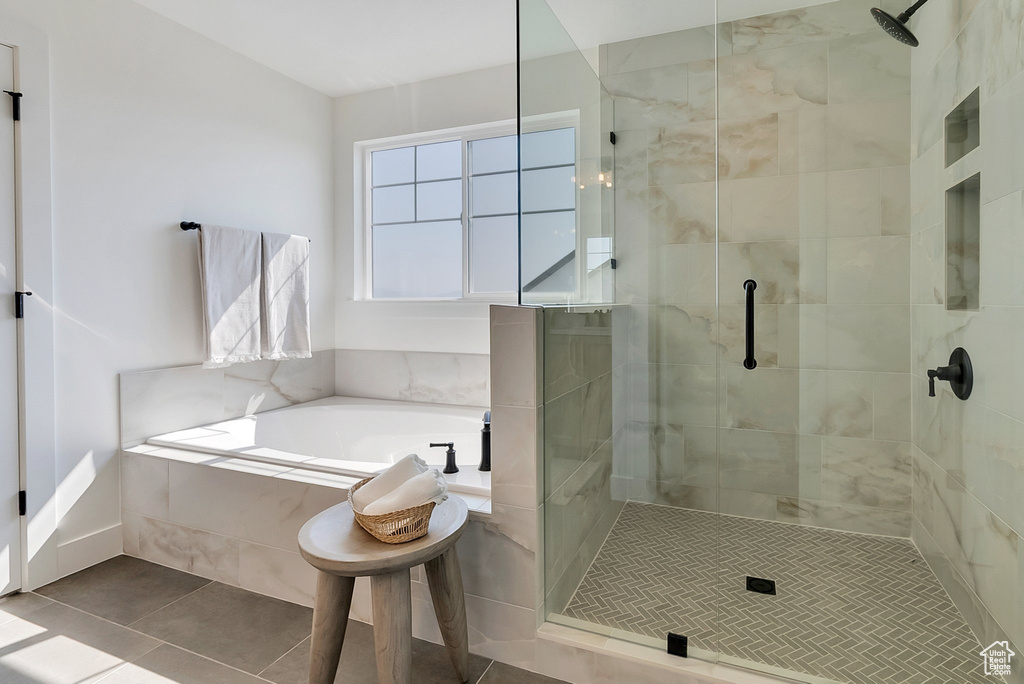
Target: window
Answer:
[[442, 213]]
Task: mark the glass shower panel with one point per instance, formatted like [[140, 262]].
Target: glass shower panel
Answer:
[[630, 385], [565, 167]]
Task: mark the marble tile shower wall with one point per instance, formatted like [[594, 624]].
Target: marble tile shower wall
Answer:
[[579, 431], [812, 202], [968, 457]]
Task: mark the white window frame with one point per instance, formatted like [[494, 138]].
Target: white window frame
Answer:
[[362, 160]]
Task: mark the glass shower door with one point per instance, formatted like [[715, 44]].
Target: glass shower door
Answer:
[[818, 576]]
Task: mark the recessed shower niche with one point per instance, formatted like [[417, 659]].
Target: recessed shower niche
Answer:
[[963, 130], [963, 229]]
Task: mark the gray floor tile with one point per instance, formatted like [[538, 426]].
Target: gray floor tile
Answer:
[[500, 673], [171, 664], [231, 625], [849, 607], [60, 645], [123, 589], [430, 663], [20, 605]]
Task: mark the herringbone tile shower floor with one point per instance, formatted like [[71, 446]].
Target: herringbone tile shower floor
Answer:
[[849, 607]]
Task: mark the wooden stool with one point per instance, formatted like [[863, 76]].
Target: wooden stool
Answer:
[[333, 543]]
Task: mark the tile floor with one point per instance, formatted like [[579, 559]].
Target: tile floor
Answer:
[[128, 621], [849, 607]]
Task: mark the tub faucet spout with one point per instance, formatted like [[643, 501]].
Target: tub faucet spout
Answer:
[[449, 466]]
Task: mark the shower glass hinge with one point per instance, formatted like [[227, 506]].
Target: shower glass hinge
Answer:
[[15, 104], [19, 303], [22, 502], [677, 644]]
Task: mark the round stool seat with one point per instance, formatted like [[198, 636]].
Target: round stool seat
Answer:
[[332, 541]]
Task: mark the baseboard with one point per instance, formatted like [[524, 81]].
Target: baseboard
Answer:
[[89, 550]]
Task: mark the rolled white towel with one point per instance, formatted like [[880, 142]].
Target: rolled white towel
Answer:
[[428, 486], [388, 480]]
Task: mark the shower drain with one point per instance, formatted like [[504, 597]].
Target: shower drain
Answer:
[[761, 585]]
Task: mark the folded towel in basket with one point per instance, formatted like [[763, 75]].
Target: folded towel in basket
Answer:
[[425, 487], [388, 480]]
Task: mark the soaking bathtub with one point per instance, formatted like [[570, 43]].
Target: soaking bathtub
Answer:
[[347, 436]]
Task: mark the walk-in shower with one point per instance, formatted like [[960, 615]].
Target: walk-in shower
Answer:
[[761, 470]]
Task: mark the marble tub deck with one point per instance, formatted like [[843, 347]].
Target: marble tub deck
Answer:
[[849, 607], [130, 621]]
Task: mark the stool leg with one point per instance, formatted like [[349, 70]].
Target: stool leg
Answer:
[[392, 626], [445, 579], [330, 618]]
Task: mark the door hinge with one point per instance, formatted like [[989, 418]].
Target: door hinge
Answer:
[[22, 502], [19, 303], [15, 104], [611, 137]]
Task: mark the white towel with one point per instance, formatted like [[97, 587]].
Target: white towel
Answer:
[[428, 486], [230, 265], [388, 480], [286, 297]]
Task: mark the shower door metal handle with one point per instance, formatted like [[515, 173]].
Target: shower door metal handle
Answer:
[[750, 363]]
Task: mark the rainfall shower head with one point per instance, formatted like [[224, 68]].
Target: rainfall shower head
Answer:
[[897, 26]]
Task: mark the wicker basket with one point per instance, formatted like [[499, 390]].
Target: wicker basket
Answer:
[[397, 527]]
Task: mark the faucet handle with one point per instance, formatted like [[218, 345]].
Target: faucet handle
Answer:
[[450, 465]]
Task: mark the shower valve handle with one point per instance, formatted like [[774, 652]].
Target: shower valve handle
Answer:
[[959, 374]]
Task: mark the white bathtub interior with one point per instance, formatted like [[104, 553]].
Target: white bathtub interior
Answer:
[[348, 436]]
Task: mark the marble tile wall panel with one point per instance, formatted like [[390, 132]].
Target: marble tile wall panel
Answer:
[[652, 52], [650, 97], [1002, 243], [158, 401], [683, 274], [682, 334], [516, 440], [803, 147], [786, 271], [199, 552], [572, 511], [802, 25], [770, 462], [511, 535], [273, 572], [686, 153], [771, 81], [981, 548], [875, 338], [435, 378], [848, 517], [866, 473], [748, 147], [928, 266], [681, 214], [577, 348], [516, 378], [870, 270], [895, 200], [867, 66]]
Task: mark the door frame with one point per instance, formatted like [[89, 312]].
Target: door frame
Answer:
[[34, 272]]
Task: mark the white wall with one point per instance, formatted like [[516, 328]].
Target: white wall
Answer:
[[151, 124], [475, 97]]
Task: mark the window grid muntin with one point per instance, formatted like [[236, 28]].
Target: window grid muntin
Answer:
[[566, 121]]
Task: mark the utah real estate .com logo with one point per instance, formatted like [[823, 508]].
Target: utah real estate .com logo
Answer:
[[997, 658]]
